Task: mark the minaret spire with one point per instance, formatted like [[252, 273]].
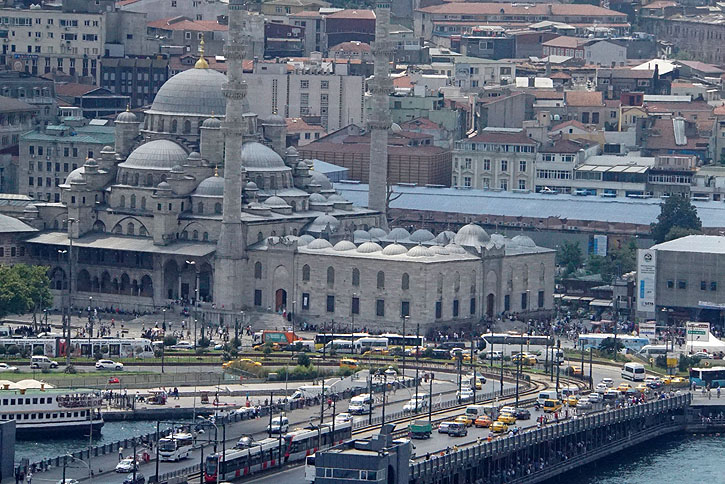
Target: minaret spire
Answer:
[[231, 247], [379, 121]]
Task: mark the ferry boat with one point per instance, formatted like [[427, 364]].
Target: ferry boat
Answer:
[[39, 409]]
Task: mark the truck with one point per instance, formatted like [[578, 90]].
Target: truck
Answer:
[[332, 385], [278, 338], [420, 429]]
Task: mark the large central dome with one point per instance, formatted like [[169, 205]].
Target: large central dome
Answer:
[[192, 92], [159, 154]]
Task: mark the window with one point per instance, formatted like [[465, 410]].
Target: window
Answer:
[[455, 308], [306, 273], [585, 118], [504, 165], [324, 84], [522, 184], [670, 284], [355, 306], [381, 280], [486, 165], [355, 277], [404, 309], [305, 300], [524, 300], [703, 285], [330, 304], [439, 310], [713, 286], [473, 305], [541, 299], [380, 307], [405, 282], [522, 165], [304, 84], [330, 277], [258, 270], [467, 181], [507, 302], [504, 184], [258, 298], [681, 284], [595, 118]]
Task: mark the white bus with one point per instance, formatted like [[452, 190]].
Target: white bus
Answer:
[[364, 344], [176, 446], [593, 340], [340, 345], [653, 350]]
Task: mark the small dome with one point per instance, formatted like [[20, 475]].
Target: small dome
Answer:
[[369, 248], [499, 239], [251, 186], [317, 198], [523, 241], [194, 155], [445, 237], [305, 239], [126, 117], [394, 249], [398, 233], [159, 154], [276, 202], [107, 149], [439, 250], [336, 197], [212, 123], [194, 92], [319, 244], [163, 186], [420, 251], [291, 151], [455, 249], [471, 235], [177, 169], [321, 223], [90, 162], [275, 119], [257, 156], [422, 235], [211, 187], [344, 245], [377, 233], [75, 176], [301, 165], [321, 180], [361, 235]]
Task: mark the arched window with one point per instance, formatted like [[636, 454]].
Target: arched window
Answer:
[[405, 282], [217, 207], [200, 208], [173, 126], [122, 202], [381, 280], [542, 273], [135, 179], [185, 235], [142, 231], [124, 179], [260, 236], [195, 235], [205, 236], [473, 283], [456, 282], [187, 127], [272, 183], [356, 277], [130, 230], [305, 273], [133, 201], [330, 276], [118, 229], [440, 283], [149, 180], [143, 203], [258, 270]]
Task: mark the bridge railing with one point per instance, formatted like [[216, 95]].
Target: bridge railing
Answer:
[[550, 432]]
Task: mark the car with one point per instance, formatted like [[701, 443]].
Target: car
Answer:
[[183, 345], [478, 384], [457, 429], [483, 421], [608, 382], [443, 427], [465, 394], [68, 481], [464, 419], [127, 465], [491, 355], [245, 442], [218, 346], [498, 427], [139, 479], [642, 388], [6, 367], [522, 413], [390, 372], [584, 403], [416, 406], [551, 406], [704, 355], [343, 417], [109, 365], [601, 387], [441, 353], [279, 425], [525, 358], [595, 397], [623, 387], [678, 381], [611, 395], [575, 371], [114, 380], [506, 418], [653, 382], [572, 400]]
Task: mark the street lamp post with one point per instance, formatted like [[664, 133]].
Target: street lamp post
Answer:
[[90, 317], [405, 320], [163, 325], [294, 314]]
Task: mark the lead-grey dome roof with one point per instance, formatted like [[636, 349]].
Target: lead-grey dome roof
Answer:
[[257, 156], [194, 92], [159, 154], [321, 180], [471, 235], [75, 175], [211, 187], [126, 117]]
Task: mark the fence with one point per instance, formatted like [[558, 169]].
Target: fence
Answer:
[[139, 381]]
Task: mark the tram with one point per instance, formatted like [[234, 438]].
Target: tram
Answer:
[[106, 347]]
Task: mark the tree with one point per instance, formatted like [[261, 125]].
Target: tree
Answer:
[[24, 288], [170, 340], [679, 232], [609, 346], [676, 211], [303, 359], [569, 256]]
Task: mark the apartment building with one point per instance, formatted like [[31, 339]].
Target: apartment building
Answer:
[[139, 79], [33, 90]]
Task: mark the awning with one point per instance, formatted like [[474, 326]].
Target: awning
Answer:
[[130, 244], [571, 298], [602, 303]]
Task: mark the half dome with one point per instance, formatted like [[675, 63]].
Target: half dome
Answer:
[[276, 202], [439, 250], [420, 251], [523, 241], [257, 156], [192, 92], [304, 240], [455, 249]]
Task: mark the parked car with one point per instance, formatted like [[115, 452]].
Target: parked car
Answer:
[[109, 365], [491, 355], [68, 481], [183, 345], [42, 363], [6, 367], [704, 355], [140, 479], [278, 425], [343, 417], [127, 465]]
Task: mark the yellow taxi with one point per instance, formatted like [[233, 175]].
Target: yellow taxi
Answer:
[[499, 427], [642, 388], [525, 358], [623, 387], [678, 381], [465, 357], [478, 384], [551, 406], [348, 363], [227, 364], [576, 371], [483, 421], [507, 418], [465, 420], [572, 400], [377, 351]]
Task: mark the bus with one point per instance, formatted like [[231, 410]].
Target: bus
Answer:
[[340, 345], [631, 343], [516, 339], [293, 447], [175, 447], [107, 347], [653, 351], [310, 471], [324, 338], [365, 344], [715, 376]]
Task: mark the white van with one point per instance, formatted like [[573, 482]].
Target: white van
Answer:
[[475, 411], [360, 404], [649, 351], [569, 391], [547, 395], [42, 362], [279, 425], [633, 371]]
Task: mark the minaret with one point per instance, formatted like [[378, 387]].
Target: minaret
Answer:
[[231, 247], [379, 121]]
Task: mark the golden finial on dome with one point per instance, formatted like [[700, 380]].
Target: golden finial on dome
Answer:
[[201, 63], [216, 170], [128, 107]]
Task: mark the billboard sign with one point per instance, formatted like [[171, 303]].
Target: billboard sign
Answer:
[[646, 280], [697, 331], [648, 330]]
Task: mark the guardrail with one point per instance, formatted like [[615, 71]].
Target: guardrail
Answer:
[[149, 380]]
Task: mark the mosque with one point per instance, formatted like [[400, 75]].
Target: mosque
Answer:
[[203, 201]]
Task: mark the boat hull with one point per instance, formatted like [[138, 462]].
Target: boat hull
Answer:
[[59, 429]]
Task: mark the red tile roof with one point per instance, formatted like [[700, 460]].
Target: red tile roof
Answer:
[[73, 89], [183, 23], [402, 82], [584, 98], [420, 123], [560, 75], [661, 4], [573, 123], [353, 14], [503, 137], [719, 111], [564, 41], [351, 46], [299, 124]]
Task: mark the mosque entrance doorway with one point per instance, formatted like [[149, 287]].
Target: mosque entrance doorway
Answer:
[[489, 305], [280, 299]]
